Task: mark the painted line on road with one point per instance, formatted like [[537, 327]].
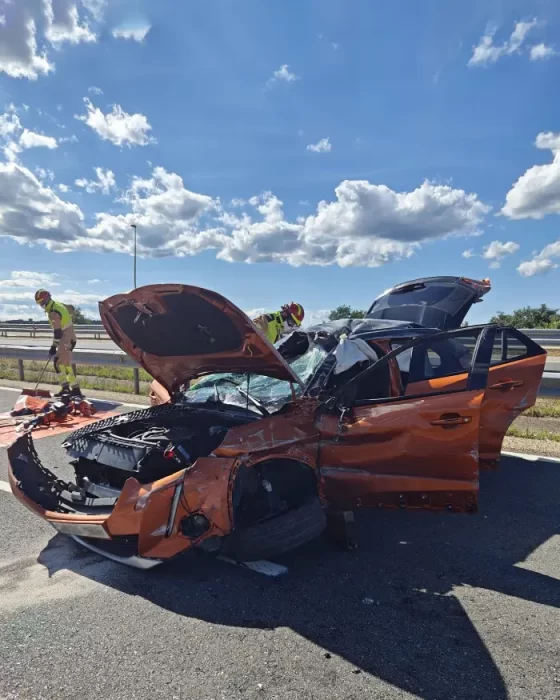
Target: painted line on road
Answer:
[[4, 486], [531, 458], [127, 405]]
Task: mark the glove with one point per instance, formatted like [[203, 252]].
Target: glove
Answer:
[[52, 350]]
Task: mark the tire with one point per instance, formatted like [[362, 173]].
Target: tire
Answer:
[[277, 535]]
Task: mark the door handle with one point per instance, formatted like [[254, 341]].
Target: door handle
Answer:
[[451, 421], [507, 385]]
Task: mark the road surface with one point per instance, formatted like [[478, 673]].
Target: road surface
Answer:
[[441, 607]]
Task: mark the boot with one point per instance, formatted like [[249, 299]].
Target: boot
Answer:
[[75, 393], [64, 391]]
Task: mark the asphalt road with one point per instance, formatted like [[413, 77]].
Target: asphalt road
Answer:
[[438, 607]]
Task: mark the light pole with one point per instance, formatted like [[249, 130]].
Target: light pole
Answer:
[[134, 227]]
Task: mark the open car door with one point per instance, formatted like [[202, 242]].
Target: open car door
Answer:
[[410, 451], [515, 374]]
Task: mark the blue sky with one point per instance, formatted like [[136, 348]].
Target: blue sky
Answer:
[[318, 151]]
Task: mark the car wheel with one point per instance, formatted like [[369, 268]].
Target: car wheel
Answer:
[[278, 534]]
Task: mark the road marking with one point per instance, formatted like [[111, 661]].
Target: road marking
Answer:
[[4, 486], [530, 457], [127, 405]]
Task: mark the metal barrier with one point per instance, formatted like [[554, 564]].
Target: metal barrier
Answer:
[[550, 384], [34, 330], [81, 357]]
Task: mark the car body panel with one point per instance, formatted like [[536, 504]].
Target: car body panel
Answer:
[[435, 302], [179, 332], [512, 389], [389, 454]]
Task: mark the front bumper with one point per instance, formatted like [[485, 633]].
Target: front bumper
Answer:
[[148, 523], [49, 497]]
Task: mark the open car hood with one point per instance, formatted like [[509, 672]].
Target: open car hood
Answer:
[[433, 302], [178, 332]]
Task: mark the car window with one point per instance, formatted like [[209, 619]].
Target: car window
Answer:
[[507, 347], [272, 393]]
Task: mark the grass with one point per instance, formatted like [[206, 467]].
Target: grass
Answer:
[[91, 377], [533, 434], [544, 408]]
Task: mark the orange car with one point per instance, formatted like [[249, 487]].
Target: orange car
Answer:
[[397, 410]]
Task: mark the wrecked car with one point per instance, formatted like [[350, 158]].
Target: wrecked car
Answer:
[[251, 447]]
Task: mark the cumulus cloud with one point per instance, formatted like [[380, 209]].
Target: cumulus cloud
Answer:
[[543, 262], [105, 182], [135, 33], [31, 211], [541, 52], [63, 188], [29, 280], [365, 224], [322, 146], [469, 253], [283, 74], [31, 139], [497, 251], [117, 126], [487, 52], [537, 192], [28, 24]]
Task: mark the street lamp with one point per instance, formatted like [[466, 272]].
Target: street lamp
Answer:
[[134, 227]]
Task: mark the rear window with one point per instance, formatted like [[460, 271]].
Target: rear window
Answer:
[[443, 296]]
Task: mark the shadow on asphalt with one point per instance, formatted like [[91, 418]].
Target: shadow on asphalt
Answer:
[[389, 608]]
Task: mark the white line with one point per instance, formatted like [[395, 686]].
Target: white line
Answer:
[[127, 405], [4, 486], [530, 457], [267, 568]]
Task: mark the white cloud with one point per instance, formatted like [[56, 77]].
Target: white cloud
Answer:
[[537, 192], [105, 182], [69, 139], [29, 280], [63, 24], [63, 188], [117, 126], [283, 74], [542, 262], [322, 146], [136, 33], [541, 52], [364, 225], [497, 251], [28, 24], [469, 253], [96, 8], [31, 139], [31, 211], [95, 90], [95, 281], [487, 52]]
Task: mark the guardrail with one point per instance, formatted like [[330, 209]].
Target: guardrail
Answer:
[[80, 357], [34, 330], [550, 384]]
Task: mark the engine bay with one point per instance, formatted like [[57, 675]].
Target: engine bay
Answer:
[[148, 448]]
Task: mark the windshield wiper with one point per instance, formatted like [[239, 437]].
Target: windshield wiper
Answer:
[[254, 401]]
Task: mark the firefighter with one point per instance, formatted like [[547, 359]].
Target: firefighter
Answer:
[[278, 323], [64, 341]]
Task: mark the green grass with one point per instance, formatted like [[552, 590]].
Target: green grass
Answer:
[[533, 434], [91, 377], [544, 408]]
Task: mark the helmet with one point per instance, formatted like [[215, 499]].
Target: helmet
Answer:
[[42, 297], [296, 312]]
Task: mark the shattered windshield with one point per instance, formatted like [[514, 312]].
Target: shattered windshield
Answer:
[[271, 393]]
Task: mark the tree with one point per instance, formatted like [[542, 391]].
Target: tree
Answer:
[[345, 311], [529, 317], [79, 317]]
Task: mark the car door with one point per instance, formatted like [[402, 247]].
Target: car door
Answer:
[[419, 450], [514, 377]]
